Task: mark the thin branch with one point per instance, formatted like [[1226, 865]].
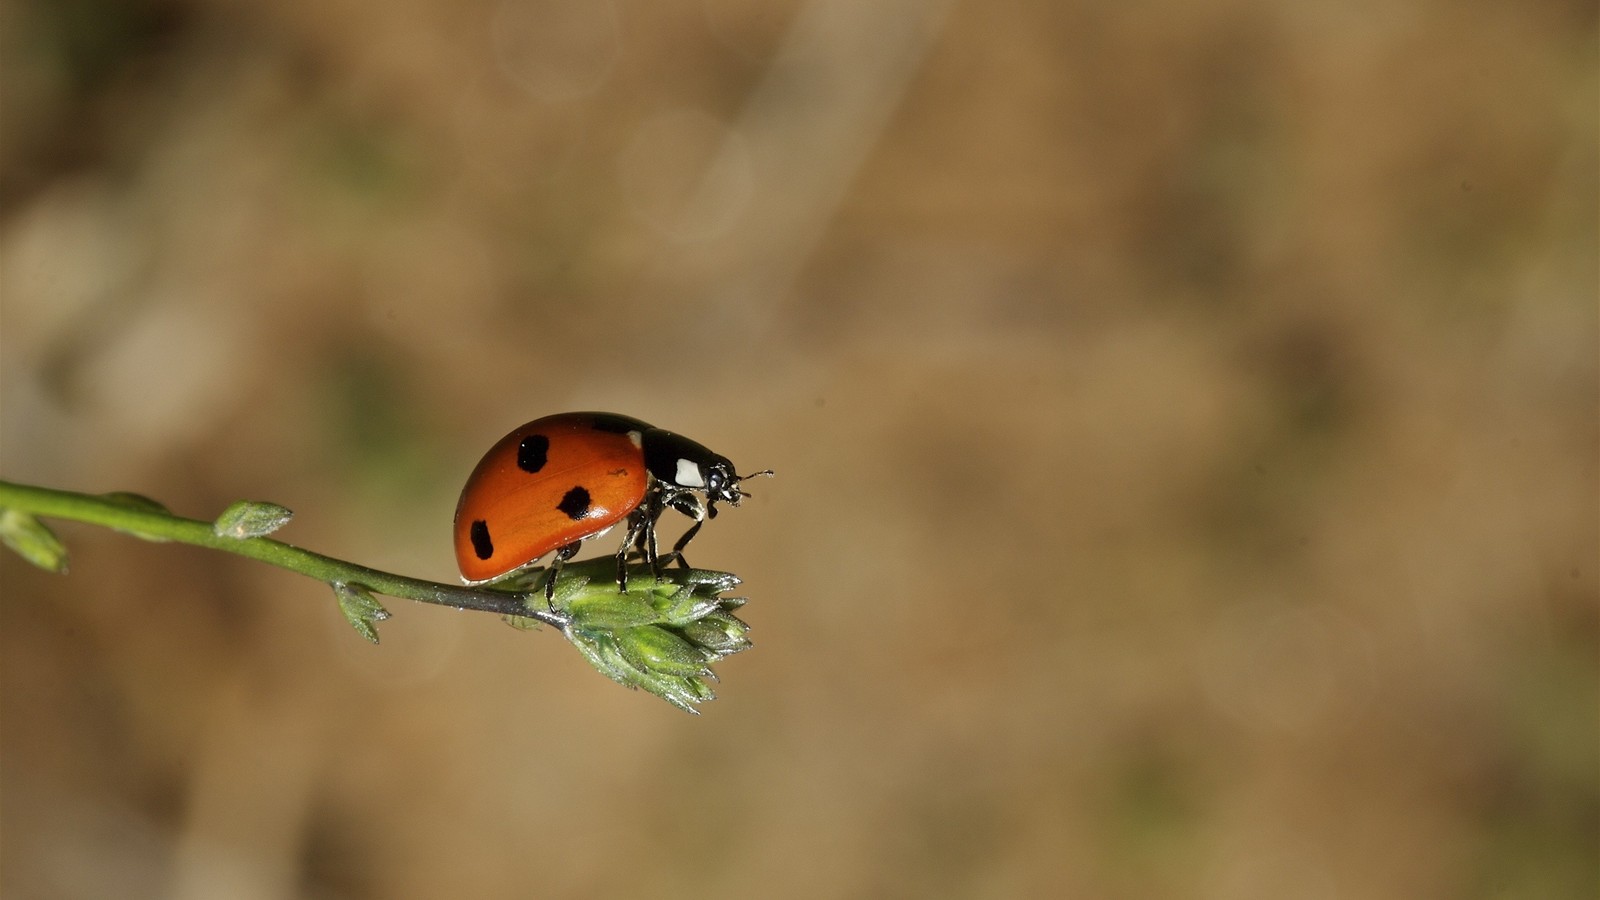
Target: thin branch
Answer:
[[148, 520]]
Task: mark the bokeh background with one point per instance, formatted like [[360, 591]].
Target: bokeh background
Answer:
[[1185, 418]]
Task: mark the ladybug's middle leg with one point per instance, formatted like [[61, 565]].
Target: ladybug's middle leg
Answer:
[[641, 537], [638, 524]]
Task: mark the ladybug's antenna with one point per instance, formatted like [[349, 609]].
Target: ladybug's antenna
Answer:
[[764, 473]]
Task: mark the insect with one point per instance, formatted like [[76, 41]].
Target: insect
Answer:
[[558, 481]]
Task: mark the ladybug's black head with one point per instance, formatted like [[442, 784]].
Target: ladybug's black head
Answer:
[[722, 483], [683, 463]]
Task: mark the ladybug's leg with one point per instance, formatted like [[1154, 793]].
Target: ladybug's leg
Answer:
[[638, 524], [561, 557], [647, 541], [647, 537], [690, 505], [640, 542], [647, 545], [677, 549]]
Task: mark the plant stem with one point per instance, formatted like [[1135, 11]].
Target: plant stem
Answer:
[[158, 524]]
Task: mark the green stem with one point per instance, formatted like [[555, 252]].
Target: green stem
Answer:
[[154, 523]]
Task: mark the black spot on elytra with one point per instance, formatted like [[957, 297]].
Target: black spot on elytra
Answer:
[[533, 452], [481, 544], [575, 503]]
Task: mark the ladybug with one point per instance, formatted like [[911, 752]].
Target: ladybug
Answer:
[[558, 481]]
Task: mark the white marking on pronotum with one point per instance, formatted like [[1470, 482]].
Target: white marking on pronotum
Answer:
[[688, 475], [637, 437]]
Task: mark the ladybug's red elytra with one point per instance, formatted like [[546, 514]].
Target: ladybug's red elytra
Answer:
[[557, 481]]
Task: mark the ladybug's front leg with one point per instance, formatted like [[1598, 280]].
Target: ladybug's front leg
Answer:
[[691, 506]]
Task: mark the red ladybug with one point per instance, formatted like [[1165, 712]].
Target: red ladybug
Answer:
[[560, 480]]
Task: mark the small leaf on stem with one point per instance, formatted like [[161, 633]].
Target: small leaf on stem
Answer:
[[32, 540], [522, 623], [143, 504], [250, 518], [137, 501], [360, 608]]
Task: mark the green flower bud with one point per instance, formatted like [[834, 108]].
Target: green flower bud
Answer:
[[661, 636]]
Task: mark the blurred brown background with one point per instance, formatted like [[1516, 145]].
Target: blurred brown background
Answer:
[[1185, 418]]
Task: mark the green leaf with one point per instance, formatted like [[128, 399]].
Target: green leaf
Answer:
[[658, 650], [608, 610], [600, 651], [137, 501], [32, 541], [250, 518], [568, 587], [712, 581], [685, 606], [682, 692], [360, 608], [721, 633]]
